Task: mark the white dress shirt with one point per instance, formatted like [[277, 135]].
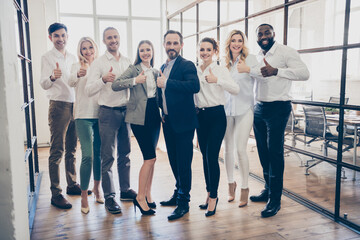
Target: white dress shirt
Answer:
[[237, 105], [150, 81], [290, 68], [85, 107], [167, 70], [99, 68], [212, 94], [59, 90]]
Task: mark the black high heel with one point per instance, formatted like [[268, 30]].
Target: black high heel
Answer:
[[143, 212], [150, 204], [210, 213], [203, 206]]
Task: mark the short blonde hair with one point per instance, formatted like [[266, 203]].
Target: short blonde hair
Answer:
[[228, 54], [86, 39]]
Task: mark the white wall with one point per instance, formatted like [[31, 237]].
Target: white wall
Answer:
[[42, 13], [13, 200]]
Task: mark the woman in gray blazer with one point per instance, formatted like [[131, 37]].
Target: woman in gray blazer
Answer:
[[144, 117]]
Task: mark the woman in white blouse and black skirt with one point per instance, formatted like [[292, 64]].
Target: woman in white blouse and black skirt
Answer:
[[144, 116], [210, 101]]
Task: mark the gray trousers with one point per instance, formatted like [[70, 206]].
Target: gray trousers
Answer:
[[114, 135]]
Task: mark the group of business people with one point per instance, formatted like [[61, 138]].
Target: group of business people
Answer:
[[215, 100]]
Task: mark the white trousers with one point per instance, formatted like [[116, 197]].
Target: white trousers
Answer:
[[236, 139]]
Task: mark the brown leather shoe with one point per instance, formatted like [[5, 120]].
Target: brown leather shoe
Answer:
[[60, 202], [75, 190]]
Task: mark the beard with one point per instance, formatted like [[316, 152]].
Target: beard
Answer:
[[172, 54], [266, 47]]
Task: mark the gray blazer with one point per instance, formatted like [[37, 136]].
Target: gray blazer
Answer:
[[136, 106]]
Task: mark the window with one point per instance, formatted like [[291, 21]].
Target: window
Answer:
[[91, 17]]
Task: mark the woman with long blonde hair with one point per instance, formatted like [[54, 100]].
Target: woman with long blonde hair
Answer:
[[239, 114], [86, 122]]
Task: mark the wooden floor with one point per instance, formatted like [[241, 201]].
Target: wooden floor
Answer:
[[294, 221]]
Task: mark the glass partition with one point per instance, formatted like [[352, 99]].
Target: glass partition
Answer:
[[315, 174]]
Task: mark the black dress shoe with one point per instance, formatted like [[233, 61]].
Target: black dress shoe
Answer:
[[170, 202], [75, 190], [271, 208], [210, 213], [151, 204], [112, 206], [179, 212], [262, 197], [128, 195], [60, 202]]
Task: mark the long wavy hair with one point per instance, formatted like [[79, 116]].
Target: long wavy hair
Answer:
[[228, 54], [82, 59], [138, 59]]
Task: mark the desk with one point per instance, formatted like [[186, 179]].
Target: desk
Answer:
[[350, 120]]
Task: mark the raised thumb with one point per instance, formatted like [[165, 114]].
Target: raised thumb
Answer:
[[57, 65], [111, 69], [266, 63]]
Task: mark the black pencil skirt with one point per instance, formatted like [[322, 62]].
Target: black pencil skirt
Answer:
[[147, 135]]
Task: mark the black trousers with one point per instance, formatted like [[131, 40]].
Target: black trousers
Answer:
[[180, 152], [270, 120], [211, 132]]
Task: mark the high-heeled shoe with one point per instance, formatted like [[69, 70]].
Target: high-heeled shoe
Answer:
[[143, 212], [150, 204], [210, 213], [85, 210], [98, 197], [232, 189], [203, 206]]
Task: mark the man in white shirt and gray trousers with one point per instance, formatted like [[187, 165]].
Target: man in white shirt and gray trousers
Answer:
[[114, 132], [279, 65], [55, 72]]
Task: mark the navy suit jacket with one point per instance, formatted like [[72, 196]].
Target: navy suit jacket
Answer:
[[182, 84]]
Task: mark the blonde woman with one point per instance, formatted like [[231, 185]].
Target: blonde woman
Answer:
[[86, 122], [239, 114]]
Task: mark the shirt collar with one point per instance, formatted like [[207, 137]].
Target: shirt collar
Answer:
[[110, 56], [271, 51], [145, 68], [58, 54], [236, 60], [170, 63]]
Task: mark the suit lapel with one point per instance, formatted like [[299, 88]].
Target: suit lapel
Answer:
[[139, 69]]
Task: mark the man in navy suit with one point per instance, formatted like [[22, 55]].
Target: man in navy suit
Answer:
[[177, 84]]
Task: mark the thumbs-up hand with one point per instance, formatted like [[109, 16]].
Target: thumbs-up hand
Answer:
[[242, 67], [268, 70], [141, 78], [211, 78], [109, 77], [161, 80], [83, 69], [56, 73]]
